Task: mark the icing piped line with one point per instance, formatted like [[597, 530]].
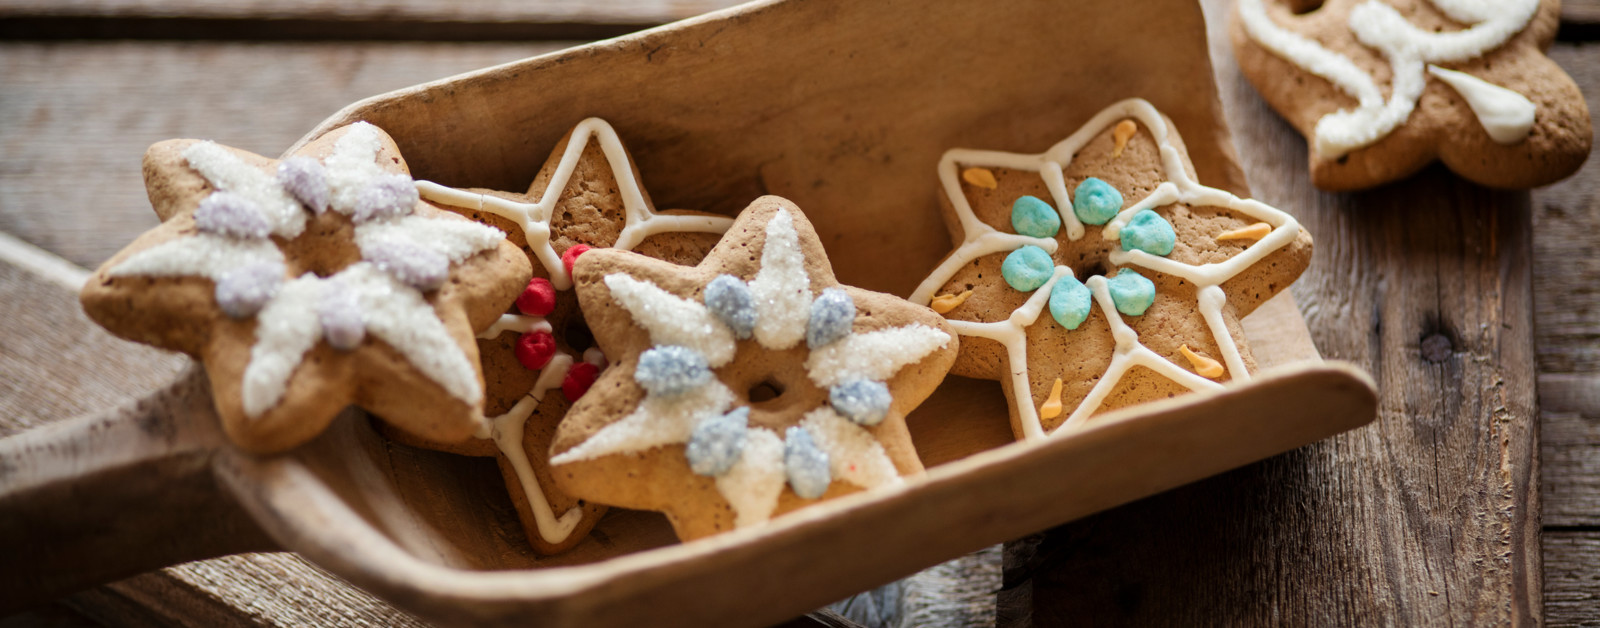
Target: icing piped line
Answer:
[[979, 240], [1505, 115], [1405, 47], [534, 218], [1128, 354], [506, 431], [516, 323]]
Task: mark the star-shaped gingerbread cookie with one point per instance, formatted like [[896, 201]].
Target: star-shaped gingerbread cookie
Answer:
[[309, 284], [1099, 273], [747, 386], [539, 356], [1381, 88]]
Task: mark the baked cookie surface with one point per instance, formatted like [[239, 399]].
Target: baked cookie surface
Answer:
[[1099, 274], [309, 284], [539, 356], [1382, 88], [747, 386]]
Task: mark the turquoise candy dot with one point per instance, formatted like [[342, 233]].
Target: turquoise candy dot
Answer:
[[1096, 202], [1027, 268], [1131, 292], [1070, 302], [1033, 217], [1149, 232]]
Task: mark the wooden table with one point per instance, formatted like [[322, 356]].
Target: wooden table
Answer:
[[1428, 516]]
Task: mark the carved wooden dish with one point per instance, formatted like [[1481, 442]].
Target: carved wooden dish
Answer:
[[843, 107]]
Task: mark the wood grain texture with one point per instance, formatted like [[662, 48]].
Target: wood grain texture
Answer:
[[54, 364], [573, 11], [75, 118], [1428, 516], [1572, 589]]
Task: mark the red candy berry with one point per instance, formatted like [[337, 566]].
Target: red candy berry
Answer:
[[538, 299], [570, 257], [579, 378], [535, 350]]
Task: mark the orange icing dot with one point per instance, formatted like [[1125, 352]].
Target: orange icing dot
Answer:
[[1253, 232], [946, 302], [1124, 132], [980, 177], [1052, 406], [1203, 365]]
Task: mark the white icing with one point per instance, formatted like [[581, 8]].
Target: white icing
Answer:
[[980, 239], [593, 355], [854, 454], [875, 355], [657, 421], [781, 290], [1128, 354], [353, 165], [506, 430], [755, 481], [228, 172], [1404, 46], [455, 239], [287, 327], [285, 330], [1506, 115], [534, 218], [673, 320], [207, 255], [516, 323]]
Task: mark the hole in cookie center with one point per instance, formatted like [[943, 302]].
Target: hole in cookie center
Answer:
[[1302, 7], [1088, 268], [767, 390]]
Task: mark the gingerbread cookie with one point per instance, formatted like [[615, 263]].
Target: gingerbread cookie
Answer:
[[748, 386], [1382, 88], [539, 356], [1144, 272], [309, 284]]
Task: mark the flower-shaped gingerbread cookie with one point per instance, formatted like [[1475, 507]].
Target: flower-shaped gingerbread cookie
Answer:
[[1125, 286], [588, 194], [747, 386], [1381, 88], [309, 284]]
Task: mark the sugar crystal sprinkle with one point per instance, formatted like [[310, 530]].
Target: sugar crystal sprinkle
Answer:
[[729, 300], [671, 370], [805, 464]]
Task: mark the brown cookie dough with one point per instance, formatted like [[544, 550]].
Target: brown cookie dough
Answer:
[[309, 284], [596, 202], [748, 386], [1081, 309], [1382, 89]]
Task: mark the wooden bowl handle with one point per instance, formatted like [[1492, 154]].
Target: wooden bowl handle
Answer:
[[105, 496]]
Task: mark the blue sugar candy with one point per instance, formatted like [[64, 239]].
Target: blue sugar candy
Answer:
[[1070, 302], [671, 370], [832, 315], [1031, 216], [1027, 268], [729, 300], [1095, 202], [864, 401], [1131, 292], [805, 464], [1149, 232], [716, 443]]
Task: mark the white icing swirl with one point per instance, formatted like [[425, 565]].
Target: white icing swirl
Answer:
[[1406, 48]]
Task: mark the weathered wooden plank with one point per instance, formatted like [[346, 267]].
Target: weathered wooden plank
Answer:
[[1427, 516], [574, 11], [75, 118], [1571, 581], [1566, 217], [322, 20]]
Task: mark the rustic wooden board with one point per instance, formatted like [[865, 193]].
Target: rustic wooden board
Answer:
[[1430, 514], [85, 112]]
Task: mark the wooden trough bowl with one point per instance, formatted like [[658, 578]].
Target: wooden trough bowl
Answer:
[[843, 107]]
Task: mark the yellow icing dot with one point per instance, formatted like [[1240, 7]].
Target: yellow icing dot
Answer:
[[1203, 365], [946, 302], [980, 177], [1052, 406], [1124, 132], [1253, 232]]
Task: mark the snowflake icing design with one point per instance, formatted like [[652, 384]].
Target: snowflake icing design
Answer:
[[402, 256], [980, 239], [685, 403]]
